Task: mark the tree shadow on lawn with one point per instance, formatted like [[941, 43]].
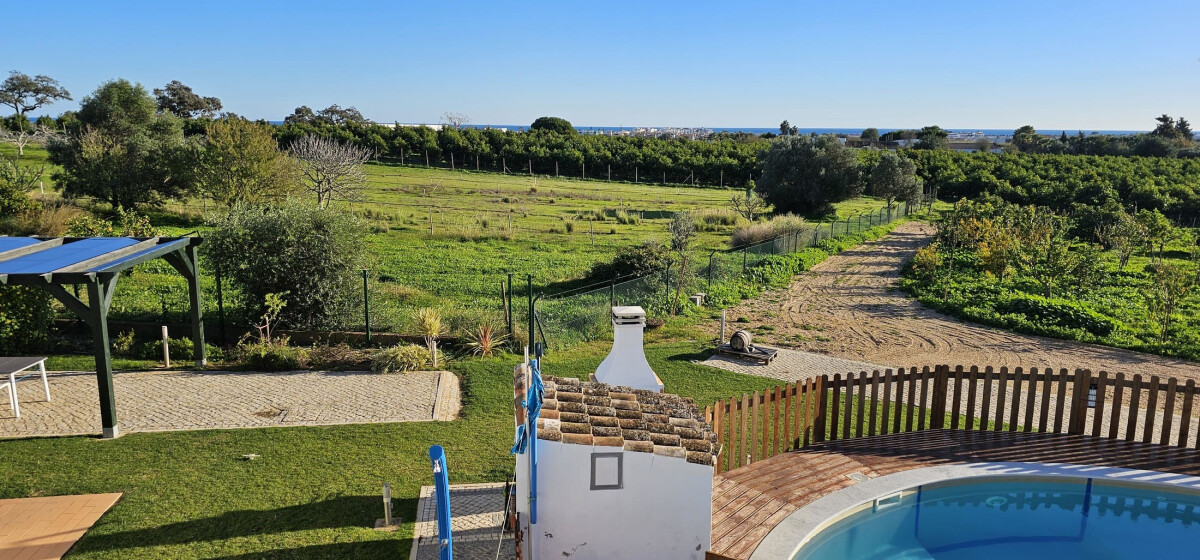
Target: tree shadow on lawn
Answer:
[[381, 549], [340, 512]]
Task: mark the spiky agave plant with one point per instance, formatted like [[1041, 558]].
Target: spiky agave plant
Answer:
[[484, 340]]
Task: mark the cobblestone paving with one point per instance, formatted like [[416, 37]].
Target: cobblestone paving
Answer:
[[791, 365], [476, 513], [193, 400]]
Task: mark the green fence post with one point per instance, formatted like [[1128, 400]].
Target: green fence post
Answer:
[[509, 309], [529, 283], [220, 308], [708, 286], [366, 306], [667, 286]]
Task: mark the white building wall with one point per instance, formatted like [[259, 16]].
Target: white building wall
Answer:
[[664, 510]]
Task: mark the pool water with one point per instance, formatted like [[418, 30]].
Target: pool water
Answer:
[[1018, 519]]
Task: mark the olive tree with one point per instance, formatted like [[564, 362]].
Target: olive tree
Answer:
[[895, 178], [806, 175], [25, 94]]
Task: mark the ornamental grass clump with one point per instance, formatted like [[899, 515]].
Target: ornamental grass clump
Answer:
[[400, 358], [431, 327]]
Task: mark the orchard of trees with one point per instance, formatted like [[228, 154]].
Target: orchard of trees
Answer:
[[1131, 281]]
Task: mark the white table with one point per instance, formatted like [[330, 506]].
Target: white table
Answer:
[[11, 367]]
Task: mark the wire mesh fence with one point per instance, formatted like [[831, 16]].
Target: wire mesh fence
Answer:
[[583, 315], [384, 302]]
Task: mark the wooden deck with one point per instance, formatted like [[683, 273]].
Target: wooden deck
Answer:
[[750, 501], [46, 528]]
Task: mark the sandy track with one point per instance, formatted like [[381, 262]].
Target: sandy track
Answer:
[[849, 306]]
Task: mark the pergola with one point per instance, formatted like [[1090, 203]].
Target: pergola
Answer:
[[96, 263]]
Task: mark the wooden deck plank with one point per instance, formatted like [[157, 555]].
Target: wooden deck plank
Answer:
[[772, 489]]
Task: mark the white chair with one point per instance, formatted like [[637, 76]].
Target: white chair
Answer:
[[11, 367]]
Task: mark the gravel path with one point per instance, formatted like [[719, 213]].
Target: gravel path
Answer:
[[849, 307]]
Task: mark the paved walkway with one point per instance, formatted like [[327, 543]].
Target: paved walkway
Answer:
[[476, 513], [197, 400], [791, 365], [46, 528]]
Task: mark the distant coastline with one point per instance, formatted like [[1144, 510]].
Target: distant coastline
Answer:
[[760, 130]]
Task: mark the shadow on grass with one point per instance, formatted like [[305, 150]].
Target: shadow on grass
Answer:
[[338, 551], [343, 511]]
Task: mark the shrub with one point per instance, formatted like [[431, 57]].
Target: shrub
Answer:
[[25, 319], [272, 356], [400, 358], [49, 220], [181, 349], [712, 219], [1057, 312], [314, 255], [751, 234], [649, 257], [339, 357]]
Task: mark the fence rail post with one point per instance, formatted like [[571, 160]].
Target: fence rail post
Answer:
[[1079, 401], [937, 409], [818, 431], [366, 306]]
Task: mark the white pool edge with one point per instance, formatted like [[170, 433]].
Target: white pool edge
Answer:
[[785, 540]]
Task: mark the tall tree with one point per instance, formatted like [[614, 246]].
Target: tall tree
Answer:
[[1184, 128], [123, 151], [784, 127], [179, 100], [895, 178], [1166, 127], [556, 124], [242, 163], [1027, 139], [807, 175], [870, 134], [25, 94], [932, 138]]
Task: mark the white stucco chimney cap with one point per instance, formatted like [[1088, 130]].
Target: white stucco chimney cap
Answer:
[[628, 311]]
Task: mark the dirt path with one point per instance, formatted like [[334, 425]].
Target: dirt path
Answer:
[[849, 306]]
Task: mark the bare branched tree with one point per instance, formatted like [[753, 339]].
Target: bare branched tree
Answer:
[[32, 134], [331, 169], [455, 120], [748, 205]]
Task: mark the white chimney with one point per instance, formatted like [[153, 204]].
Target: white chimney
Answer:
[[626, 364]]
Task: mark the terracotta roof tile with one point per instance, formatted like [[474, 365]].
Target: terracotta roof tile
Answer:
[[591, 413]]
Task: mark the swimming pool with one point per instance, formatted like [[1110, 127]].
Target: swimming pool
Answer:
[[1027, 519]]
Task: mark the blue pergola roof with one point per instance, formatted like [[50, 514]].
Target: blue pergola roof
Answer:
[[70, 260], [97, 262]]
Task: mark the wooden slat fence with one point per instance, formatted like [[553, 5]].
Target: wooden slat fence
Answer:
[[1132, 408]]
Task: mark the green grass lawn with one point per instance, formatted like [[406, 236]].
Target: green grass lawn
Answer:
[[485, 226], [314, 492]]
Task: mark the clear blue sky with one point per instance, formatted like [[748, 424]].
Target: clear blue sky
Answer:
[[999, 64]]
